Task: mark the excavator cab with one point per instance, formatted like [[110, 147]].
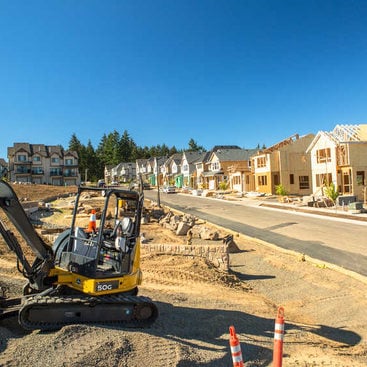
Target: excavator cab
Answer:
[[107, 246]]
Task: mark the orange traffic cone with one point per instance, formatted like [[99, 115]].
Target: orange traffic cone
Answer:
[[235, 348], [278, 338], [92, 226]]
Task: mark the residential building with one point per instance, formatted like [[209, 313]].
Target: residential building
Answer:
[[43, 164], [340, 157], [124, 172], [108, 174], [188, 167], [141, 168], [286, 163], [171, 170], [203, 167], [220, 165], [3, 167], [239, 172], [156, 166]]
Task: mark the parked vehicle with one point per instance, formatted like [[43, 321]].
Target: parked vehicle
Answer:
[[169, 189], [135, 186], [101, 183], [146, 186]]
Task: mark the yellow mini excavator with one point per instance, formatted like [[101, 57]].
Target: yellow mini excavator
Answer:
[[89, 275]]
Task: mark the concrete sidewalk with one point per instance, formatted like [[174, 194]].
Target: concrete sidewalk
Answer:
[[333, 212]]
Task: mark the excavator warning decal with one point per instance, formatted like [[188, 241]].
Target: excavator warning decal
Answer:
[[107, 286]]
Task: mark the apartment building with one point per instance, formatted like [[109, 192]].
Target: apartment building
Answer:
[[43, 164], [3, 167]]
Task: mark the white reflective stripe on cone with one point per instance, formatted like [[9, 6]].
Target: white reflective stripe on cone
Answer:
[[235, 349], [237, 359], [278, 336]]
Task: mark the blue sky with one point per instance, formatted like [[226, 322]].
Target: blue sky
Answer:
[[242, 72]]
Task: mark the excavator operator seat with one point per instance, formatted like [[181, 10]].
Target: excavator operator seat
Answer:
[[127, 226]]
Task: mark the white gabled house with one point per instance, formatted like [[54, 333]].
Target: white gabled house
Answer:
[[188, 168], [340, 157], [171, 170]]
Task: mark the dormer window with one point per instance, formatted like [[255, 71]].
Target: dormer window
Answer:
[[22, 158]]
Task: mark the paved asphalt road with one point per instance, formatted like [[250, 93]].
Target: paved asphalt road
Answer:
[[337, 241]]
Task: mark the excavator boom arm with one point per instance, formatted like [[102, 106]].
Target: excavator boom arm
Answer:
[[15, 212]]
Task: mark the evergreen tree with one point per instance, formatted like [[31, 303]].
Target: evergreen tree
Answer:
[[108, 148], [172, 151], [126, 147], [74, 143], [193, 146], [93, 163]]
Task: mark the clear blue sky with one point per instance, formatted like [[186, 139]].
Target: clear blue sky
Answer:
[[242, 72]]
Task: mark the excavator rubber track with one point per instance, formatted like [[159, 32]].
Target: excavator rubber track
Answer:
[[53, 312]]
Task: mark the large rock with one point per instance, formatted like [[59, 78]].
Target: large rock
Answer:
[[208, 234], [182, 229]]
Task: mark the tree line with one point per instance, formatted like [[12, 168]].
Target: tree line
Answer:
[[115, 148]]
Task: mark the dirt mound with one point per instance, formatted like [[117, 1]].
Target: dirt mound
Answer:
[[31, 192], [179, 270]]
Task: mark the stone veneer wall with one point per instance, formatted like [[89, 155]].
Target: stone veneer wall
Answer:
[[218, 255]]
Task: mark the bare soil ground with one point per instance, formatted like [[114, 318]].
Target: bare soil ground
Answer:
[[325, 314]]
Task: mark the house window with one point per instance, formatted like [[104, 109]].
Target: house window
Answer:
[[37, 171], [261, 162], [291, 179], [323, 155], [68, 161], [360, 178], [236, 180], [323, 179], [22, 158], [36, 159], [55, 160], [55, 172], [304, 182], [346, 182], [262, 180], [69, 173], [215, 166]]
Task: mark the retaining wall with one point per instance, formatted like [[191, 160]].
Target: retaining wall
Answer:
[[218, 255]]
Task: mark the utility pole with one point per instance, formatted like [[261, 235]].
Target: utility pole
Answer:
[[158, 193]]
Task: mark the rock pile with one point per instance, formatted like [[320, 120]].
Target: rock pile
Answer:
[[188, 225]]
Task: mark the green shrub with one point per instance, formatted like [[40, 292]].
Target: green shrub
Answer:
[[280, 190], [331, 192], [223, 185]]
